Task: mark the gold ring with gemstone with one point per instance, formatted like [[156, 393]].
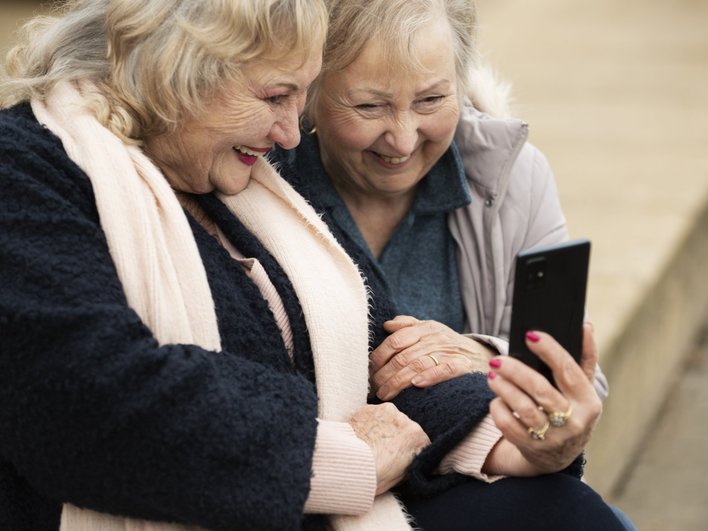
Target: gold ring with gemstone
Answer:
[[539, 434], [558, 418]]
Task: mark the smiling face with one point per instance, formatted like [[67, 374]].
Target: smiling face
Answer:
[[382, 128], [217, 149]]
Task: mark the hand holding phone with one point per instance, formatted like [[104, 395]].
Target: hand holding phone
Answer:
[[549, 295]]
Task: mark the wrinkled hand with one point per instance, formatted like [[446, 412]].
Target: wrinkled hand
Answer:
[[408, 356], [520, 391], [394, 439]]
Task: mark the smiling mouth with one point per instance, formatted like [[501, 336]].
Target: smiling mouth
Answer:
[[393, 160], [251, 152]]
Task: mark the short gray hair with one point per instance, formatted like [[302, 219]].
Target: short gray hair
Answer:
[[155, 61], [353, 23]]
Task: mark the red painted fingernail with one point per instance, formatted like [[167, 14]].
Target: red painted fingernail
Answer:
[[495, 362], [491, 375], [533, 337]]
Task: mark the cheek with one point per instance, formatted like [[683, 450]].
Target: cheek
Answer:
[[354, 134], [440, 127], [238, 121]]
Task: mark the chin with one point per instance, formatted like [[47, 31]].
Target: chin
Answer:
[[233, 187]]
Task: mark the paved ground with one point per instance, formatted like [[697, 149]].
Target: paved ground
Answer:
[[667, 488]]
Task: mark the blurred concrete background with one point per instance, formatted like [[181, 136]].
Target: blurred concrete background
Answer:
[[616, 95]]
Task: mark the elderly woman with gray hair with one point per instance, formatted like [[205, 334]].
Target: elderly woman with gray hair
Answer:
[[184, 342], [439, 198]]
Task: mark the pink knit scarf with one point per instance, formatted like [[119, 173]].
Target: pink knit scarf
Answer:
[[159, 265]]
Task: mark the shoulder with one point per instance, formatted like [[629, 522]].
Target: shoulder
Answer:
[[33, 160], [20, 130], [488, 147], [25, 143], [530, 171], [511, 175], [496, 154]]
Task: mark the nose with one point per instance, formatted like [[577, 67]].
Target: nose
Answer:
[[402, 134], [286, 130]]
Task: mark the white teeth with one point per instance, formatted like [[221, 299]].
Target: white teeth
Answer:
[[246, 151], [394, 160]]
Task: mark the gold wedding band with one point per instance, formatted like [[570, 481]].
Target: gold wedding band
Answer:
[[434, 359], [557, 419], [539, 434]]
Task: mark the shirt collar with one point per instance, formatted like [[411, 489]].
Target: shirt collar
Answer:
[[445, 187]]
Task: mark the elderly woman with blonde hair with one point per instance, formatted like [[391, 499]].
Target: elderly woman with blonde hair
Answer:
[[169, 357]]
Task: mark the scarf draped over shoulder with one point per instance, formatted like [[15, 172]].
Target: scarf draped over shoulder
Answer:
[[159, 266]]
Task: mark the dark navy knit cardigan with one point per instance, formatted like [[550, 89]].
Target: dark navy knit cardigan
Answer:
[[94, 412]]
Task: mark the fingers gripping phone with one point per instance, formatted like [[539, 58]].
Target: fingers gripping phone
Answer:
[[549, 295]]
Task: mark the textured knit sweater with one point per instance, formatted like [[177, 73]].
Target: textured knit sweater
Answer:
[[94, 412]]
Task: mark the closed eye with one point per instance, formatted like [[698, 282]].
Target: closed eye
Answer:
[[278, 99], [429, 104], [431, 99], [367, 106]]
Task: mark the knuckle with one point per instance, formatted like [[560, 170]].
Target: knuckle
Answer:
[[448, 369], [542, 391], [395, 341], [418, 364], [441, 340], [399, 361], [397, 381], [595, 409], [428, 325], [569, 367], [527, 411]]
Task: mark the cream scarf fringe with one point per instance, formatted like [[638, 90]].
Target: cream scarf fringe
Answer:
[[159, 265]]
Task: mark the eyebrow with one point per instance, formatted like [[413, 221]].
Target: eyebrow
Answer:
[[384, 94], [290, 86]]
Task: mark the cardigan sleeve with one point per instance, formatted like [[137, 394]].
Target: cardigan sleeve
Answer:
[[469, 456], [93, 411], [343, 471]]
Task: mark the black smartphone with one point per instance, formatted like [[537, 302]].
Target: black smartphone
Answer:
[[550, 283]]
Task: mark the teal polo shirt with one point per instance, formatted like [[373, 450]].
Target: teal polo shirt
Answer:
[[418, 266]]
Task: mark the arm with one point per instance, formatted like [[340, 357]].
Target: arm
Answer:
[[343, 471], [93, 411], [546, 225], [528, 213]]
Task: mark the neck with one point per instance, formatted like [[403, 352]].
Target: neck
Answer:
[[191, 205], [377, 216]]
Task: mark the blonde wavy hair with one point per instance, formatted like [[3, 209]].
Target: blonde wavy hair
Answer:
[[154, 61], [394, 23]]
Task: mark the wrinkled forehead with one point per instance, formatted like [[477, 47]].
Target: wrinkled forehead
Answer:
[[409, 52], [427, 52]]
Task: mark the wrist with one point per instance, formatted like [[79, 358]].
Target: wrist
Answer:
[[507, 460]]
